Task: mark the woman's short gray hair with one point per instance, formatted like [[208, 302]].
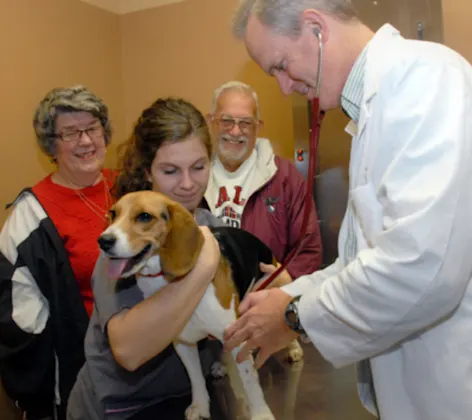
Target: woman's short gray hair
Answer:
[[238, 86], [283, 16], [62, 100]]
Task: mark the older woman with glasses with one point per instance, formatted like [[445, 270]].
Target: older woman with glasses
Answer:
[[48, 249]]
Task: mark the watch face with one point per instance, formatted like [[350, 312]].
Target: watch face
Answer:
[[291, 317]]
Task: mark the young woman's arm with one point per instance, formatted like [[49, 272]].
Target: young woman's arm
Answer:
[[142, 332]]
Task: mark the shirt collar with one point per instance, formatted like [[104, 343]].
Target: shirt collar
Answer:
[[351, 96]]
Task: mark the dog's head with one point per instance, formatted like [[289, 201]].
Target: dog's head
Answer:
[[146, 223]]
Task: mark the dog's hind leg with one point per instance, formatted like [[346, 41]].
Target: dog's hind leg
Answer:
[[200, 407]]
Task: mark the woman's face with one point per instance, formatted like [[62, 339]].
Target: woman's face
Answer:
[[79, 152], [181, 170]]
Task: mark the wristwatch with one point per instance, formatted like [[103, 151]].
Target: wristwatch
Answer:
[[292, 317]]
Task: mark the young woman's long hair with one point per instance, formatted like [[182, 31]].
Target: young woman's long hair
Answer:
[[166, 120]]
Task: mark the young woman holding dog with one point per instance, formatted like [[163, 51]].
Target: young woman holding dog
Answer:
[[130, 365]]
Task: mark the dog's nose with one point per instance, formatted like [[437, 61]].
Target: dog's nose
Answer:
[[107, 241]]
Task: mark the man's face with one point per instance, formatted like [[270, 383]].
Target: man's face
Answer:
[[293, 61], [235, 127]]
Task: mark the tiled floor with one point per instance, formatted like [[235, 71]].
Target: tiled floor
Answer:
[[308, 390]]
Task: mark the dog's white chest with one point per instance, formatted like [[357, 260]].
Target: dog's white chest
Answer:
[[209, 318], [151, 282]]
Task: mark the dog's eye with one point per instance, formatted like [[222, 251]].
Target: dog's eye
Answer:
[[111, 215], [144, 217]]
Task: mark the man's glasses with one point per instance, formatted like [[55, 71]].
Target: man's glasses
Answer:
[[244, 124], [95, 133]]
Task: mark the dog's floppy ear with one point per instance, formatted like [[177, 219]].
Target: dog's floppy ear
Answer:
[[183, 243]]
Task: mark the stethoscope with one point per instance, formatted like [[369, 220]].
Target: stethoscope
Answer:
[[316, 118]]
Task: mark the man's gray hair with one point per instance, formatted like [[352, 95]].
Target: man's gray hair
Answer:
[[283, 16], [62, 100], [238, 86]]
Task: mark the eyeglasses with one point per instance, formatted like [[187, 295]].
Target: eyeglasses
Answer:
[[227, 124], [95, 133]]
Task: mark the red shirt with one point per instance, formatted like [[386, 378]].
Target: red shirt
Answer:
[[78, 226]]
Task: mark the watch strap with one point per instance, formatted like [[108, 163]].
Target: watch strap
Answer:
[[292, 317]]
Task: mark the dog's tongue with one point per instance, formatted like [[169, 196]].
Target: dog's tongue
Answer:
[[115, 267]]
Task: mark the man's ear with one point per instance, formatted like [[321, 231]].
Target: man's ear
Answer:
[[312, 20], [183, 243], [209, 118], [260, 126]]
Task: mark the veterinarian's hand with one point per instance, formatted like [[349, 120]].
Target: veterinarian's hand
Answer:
[[282, 279], [252, 299], [262, 326]]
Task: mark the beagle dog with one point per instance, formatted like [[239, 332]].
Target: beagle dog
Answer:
[[158, 241]]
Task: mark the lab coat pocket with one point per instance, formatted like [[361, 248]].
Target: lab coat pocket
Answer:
[[368, 215]]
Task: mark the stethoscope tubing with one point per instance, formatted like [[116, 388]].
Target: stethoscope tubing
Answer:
[[316, 119]]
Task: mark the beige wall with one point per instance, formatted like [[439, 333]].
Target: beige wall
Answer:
[[45, 44], [182, 49], [129, 60], [186, 49], [457, 16]]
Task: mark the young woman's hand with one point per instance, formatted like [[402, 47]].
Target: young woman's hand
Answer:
[[282, 279], [209, 257]]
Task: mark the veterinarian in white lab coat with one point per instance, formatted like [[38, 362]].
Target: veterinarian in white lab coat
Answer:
[[398, 300]]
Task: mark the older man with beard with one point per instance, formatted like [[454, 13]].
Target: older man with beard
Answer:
[[252, 188]]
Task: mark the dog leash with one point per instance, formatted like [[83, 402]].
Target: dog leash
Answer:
[[317, 117]]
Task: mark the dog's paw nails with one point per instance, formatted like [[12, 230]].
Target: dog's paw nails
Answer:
[[197, 412], [293, 352], [294, 355], [218, 370]]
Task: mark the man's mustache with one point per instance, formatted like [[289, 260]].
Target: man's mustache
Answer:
[[243, 139]]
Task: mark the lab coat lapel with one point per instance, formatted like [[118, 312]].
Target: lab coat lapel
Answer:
[[372, 78]]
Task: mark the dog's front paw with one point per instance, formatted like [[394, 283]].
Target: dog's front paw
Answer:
[[218, 370], [197, 412], [294, 352]]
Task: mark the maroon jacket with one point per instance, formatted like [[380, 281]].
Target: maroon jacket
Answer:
[[280, 229]]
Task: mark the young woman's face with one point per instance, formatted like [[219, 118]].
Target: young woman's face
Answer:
[[181, 171]]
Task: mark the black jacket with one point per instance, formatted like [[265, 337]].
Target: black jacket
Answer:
[[42, 316]]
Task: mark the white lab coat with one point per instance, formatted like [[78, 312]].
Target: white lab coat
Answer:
[[404, 299]]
